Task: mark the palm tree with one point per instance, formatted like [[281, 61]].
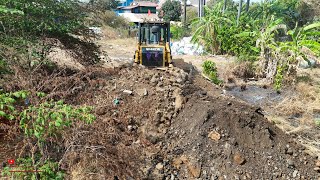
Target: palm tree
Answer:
[[302, 38]]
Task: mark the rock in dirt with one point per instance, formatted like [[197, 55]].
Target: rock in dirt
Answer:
[[142, 92], [127, 92], [289, 151], [318, 163], [194, 170], [239, 159], [214, 135], [154, 80], [177, 162], [178, 99], [159, 166], [290, 163], [295, 174]]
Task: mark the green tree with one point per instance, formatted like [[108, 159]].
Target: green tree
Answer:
[[192, 14], [39, 17], [171, 10], [104, 4]]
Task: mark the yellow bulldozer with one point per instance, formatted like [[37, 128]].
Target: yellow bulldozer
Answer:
[[153, 44]]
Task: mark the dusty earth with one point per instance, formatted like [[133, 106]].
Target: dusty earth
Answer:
[[162, 123]]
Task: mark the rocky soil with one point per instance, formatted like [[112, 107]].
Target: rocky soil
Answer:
[[168, 124], [162, 123]]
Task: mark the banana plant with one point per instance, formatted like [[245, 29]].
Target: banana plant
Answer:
[[265, 39], [302, 38], [207, 28]]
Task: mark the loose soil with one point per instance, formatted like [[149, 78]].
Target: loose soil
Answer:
[[163, 123]]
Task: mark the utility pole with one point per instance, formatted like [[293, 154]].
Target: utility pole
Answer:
[[239, 12], [201, 8], [224, 6], [185, 13], [247, 5]]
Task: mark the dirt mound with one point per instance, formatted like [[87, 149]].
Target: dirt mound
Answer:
[[220, 138], [134, 107]]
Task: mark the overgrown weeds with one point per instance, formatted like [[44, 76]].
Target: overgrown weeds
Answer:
[[210, 69]]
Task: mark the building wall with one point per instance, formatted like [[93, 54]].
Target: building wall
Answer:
[[125, 3], [144, 10]]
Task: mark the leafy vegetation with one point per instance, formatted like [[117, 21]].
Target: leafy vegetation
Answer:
[[103, 5], [25, 18], [171, 10], [178, 32], [38, 121], [267, 32], [210, 69], [43, 123]]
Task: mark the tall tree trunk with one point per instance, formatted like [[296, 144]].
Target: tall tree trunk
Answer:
[[224, 6], [239, 11], [247, 6]]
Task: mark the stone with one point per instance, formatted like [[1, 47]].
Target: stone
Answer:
[[295, 173], [317, 169], [154, 79], [184, 159], [194, 171], [290, 163], [130, 128], [239, 159], [159, 89], [178, 99], [318, 163], [142, 92], [214, 135], [127, 92], [153, 139], [159, 166], [177, 163], [178, 102], [289, 151], [177, 151]]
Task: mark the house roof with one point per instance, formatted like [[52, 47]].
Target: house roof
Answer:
[[138, 17], [145, 4], [139, 4]]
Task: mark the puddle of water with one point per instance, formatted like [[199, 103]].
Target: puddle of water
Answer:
[[256, 95]]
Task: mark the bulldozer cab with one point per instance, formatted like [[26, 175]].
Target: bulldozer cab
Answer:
[[153, 44], [154, 33]]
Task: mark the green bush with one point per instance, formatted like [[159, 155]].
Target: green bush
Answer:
[[210, 69], [192, 14], [41, 123], [178, 32], [109, 18], [40, 17]]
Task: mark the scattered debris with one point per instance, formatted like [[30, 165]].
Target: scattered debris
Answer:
[[186, 47]]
